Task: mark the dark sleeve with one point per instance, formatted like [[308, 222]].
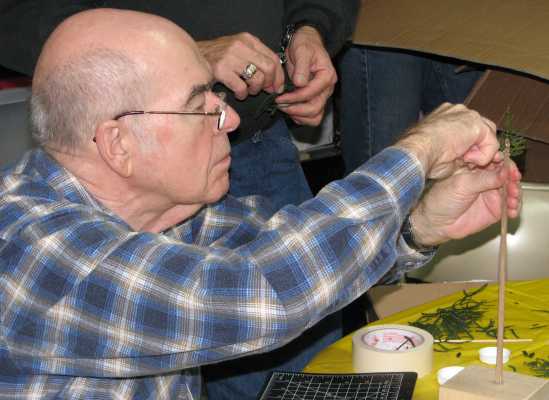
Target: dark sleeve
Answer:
[[335, 19], [26, 24]]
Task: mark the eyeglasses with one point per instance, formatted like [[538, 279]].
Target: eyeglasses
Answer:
[[219, 111]]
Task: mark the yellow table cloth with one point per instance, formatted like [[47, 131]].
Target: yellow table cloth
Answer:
[[526, 310]]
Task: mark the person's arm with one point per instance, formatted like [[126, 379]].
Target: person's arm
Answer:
[[475, 205], [314, 31], [152, 304], [335, 20], [26, 24], [98, 299], [230, 55]]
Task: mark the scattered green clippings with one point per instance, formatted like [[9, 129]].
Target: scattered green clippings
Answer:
[[513, 368], [538, 326], [540, 367], [490, 329], [458, 354], [459, 321], [543, 311], [455, 321], [529, 355], [444, 348]]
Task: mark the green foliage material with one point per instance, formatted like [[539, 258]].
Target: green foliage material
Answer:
[[518, 142], [461, 320], [538, 365]]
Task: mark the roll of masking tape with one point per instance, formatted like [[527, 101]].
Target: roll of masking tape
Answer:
[[393, 348]]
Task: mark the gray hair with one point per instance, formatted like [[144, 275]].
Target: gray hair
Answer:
[[67, 106]]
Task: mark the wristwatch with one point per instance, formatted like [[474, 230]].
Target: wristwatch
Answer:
[[407, 233], [285, 42], [288, 35]]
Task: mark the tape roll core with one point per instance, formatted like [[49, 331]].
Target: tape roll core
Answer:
[[393, 348]]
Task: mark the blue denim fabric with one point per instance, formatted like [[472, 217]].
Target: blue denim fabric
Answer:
[[244, 378], [384, 91], [268, 164]]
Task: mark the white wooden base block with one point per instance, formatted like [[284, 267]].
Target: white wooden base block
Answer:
[[478, 383]]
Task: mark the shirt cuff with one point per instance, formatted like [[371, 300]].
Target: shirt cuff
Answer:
[[410, 259]]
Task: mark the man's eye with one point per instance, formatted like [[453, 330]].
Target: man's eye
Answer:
[[198, 106]]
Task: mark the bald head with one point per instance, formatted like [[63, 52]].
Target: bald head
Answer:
[[95, 65], [128, 32]]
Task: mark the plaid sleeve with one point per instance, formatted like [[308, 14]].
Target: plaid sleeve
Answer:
[[83, 295]]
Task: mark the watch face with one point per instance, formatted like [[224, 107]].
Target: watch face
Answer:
[[392, 339]]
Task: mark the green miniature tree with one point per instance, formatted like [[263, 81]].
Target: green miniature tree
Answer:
[[518, 142]]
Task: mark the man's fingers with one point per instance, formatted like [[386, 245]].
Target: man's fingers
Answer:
[[235, 83], [230, 58], [322, 82], [269, 64], [272, 73], [514, 191], [491, 124], [303, 60], [307, 108], [256, 83], [486, 150], [482, 180], [481, 154], [492, 179], [309, 121]]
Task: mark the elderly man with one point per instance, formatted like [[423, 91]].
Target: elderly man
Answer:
[[124, 265]]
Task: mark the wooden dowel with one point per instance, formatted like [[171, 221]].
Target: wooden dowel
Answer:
[[483, 340], [502, 271]]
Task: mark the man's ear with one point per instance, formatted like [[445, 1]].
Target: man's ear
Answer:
[[115, 147]]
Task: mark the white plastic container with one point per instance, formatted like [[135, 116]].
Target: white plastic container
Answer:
[[446, 373], [488, 355]]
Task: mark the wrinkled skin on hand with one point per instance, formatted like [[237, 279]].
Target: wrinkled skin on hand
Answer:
[[229, 55], [466, 202], [309, 67], [313, 75], [450, 137]]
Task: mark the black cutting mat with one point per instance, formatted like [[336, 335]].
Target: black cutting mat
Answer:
[[370, 386]]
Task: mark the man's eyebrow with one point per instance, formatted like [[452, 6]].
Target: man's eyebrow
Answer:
[[198, 90]]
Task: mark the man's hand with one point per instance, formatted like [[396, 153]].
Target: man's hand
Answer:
[[450, 137], [465, 203], [229, 56], [313, 74]]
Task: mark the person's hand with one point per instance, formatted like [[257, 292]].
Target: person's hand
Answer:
[[313, 74], [450, 137], [230, 55], [465, 203]]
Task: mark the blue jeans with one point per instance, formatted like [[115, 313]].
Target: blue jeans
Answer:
[[383, 92], [268, 164]]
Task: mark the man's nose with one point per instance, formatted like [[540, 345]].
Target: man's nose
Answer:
[[232, 120]]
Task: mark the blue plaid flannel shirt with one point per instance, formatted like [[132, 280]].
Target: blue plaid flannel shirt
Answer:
[[91, 309]]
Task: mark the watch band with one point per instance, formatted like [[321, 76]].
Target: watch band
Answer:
[[285, 42], [407, 233], [288, 35]]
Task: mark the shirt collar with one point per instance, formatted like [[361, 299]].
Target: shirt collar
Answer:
[[37, 164]]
